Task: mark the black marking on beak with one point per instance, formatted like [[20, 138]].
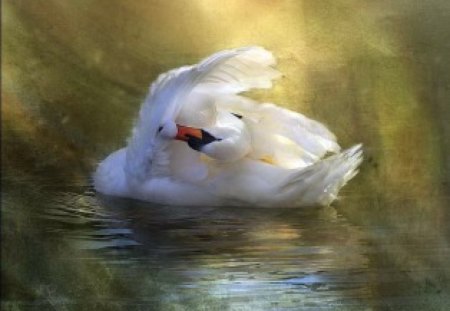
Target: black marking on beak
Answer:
[[197, 143]]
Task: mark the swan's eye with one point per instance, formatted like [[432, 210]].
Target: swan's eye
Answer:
[[160, 129]]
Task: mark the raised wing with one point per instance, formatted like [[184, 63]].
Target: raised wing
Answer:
[[285, 137], [226, 72], [239, 70]]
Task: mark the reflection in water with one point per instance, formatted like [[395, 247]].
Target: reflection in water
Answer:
[[227, 257], [262, 258], [73, 76]]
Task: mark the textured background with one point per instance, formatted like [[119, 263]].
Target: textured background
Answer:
[[377, 72]]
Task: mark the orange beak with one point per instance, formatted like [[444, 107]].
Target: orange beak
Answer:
[[184, 132]]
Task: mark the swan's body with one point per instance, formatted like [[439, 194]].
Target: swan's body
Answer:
[[265, 155]]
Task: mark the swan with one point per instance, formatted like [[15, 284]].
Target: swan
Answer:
[[199, 141]]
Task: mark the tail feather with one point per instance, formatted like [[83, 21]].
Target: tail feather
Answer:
[[321, 182]]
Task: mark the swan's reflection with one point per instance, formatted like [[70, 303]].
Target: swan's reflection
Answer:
[[288, 256]]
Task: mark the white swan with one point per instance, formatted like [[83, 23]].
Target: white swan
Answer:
[[197, 142]]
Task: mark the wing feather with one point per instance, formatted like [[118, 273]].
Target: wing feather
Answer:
[[307, 140], [230, 71]]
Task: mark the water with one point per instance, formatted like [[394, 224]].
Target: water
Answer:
[[68, 248], [73, 76], [138, 254]]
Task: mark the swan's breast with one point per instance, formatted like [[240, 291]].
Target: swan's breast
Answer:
[[109, 178]]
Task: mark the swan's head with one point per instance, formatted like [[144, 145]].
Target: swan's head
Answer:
[[171, 130], [168, 130], [196, 138], [197, 113]]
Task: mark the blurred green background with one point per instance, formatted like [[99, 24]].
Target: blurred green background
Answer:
[[75, 72]]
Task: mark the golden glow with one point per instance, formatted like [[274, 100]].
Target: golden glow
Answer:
[[75, 72]]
